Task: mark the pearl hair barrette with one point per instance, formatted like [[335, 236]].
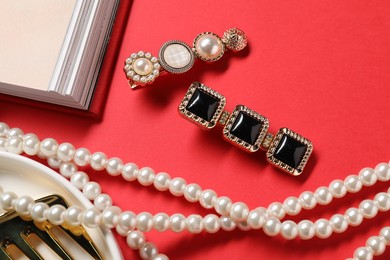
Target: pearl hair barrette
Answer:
[[246, 129], [67, 159], [177, 57]]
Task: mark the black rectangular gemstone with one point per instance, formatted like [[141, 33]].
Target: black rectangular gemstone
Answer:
[[203, 105], [290, 151], [246, 128]]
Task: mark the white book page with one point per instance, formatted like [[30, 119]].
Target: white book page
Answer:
[[31, 36]]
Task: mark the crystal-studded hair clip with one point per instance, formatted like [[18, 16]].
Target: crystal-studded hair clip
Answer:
[[246, 128], [176, 57], [27, 239]]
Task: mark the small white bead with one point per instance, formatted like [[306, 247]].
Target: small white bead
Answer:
[[79, 179], [306, 229], [127, 221], [223, 205], [130, 171], [67, 169], [65, 152], [368, 176], [135, 239], [377, 244], [3, 142], [385, 233], [256, 218], [91, 217], [368, 208], [145, 176], [207, 198], [307, 200], [323, 195], [323, 228], [292, 206], [91, 190], [14, 145], [23, 205], [160, 257], [353, 183], [55, 214], [144, 221], [110, 216], [382, 171], [272, 226], [7, 200], [227, 224], [239, 211], [161, 181], [382, 201], [337, 188], [82, 157], [339, 223], [38, 211], [194, 224], [54, 162], [177, 186], [211, 223], [148, 251], [122, 232], [276, 209], [114, 166], [353, 216], [31, 144], [363, 253], [289, 230], [15, 132], [48, 147], [177, 222], [4, 128], [192, 192], [102, 201], [244, 226], [98, 161], [161, 222], [73, 215]]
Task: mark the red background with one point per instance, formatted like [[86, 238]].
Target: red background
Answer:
[[321, 68]]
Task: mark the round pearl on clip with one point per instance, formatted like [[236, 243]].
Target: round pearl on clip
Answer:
[[208, 47], [142, 66]]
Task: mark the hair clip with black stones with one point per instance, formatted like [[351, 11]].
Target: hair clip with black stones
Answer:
[[246, 128], [177, 57]]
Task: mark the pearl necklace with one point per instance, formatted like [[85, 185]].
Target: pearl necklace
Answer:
[[67, 159]]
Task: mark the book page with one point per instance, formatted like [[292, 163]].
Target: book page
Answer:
[[31, 37]]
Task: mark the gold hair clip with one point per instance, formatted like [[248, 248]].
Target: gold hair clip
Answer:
[[246, 128], [177, 57]]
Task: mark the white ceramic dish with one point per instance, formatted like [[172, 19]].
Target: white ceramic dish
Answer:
[[27, 177]]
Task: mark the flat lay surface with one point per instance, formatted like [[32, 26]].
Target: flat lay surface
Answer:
[[321, 69]]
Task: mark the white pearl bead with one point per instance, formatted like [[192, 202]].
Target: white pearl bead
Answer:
[[353, 183], [91, 190], [3, 143], [144, 221], [148, 251], [376, 244], [207, 198], [382, 171], [98, 161], [65, 152], [368, 176], [211, 223], [91, 217], [353, 216], [14, 145], [4, 128], [276, 209], [135, 239], [110, 216], [323, 195], [127, 221], [54, 162], [38, 211], [368, 208], [192, 192], [208, 47], [256, 218], [122, 232], [337, 188], [382, 201], [177, 222], [323, 228], [177, 186], [73, 215], [161, 181], [142, 66], [339, 223], [194, 224], [15, 132], [160, 257], [145, 176], [306, 229], [385, 233], [289, 230], [363, 253], [114, 166], [239, 211], [82, 157], [130, 171], [31, 144], [292, 206], [227, 224], [223, 205], [244, 226], [55, 214], [307, 200], [272, 226], [161, 222], [67, 169], [23, 204], [7, 200], [102, 201], [79, 179], [48, 147]]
